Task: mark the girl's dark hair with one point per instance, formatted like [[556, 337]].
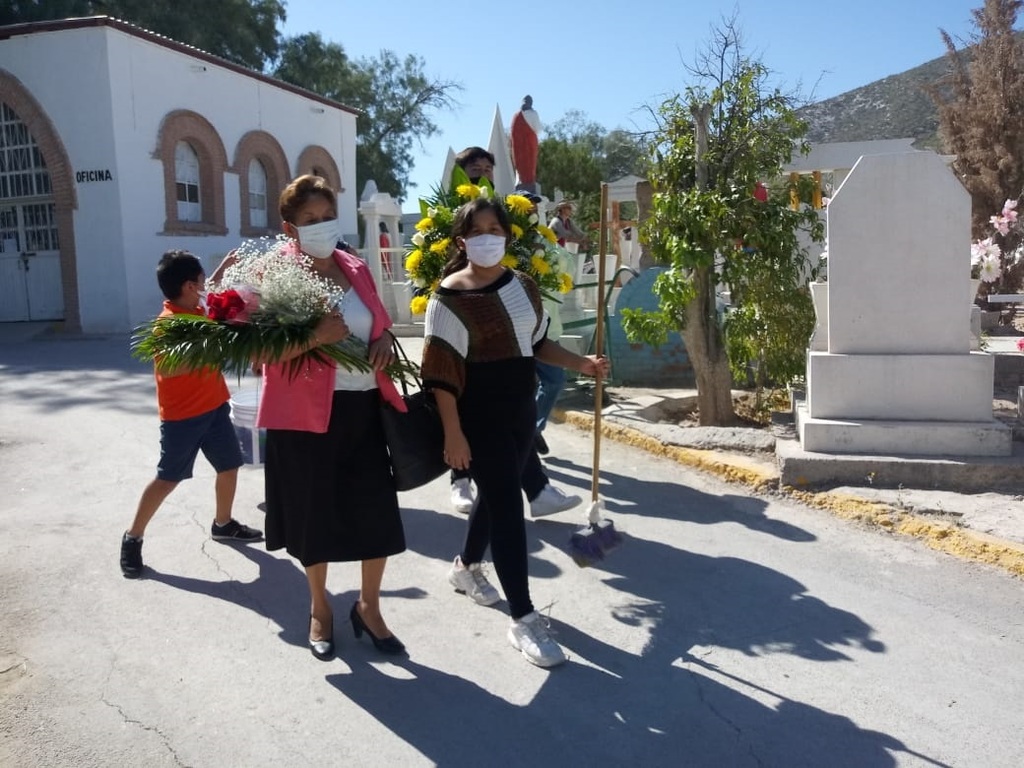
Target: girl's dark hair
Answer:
[[174, 270], [298, 193], [463, 223]]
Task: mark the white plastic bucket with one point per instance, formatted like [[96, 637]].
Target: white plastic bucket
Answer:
[[253, 441]]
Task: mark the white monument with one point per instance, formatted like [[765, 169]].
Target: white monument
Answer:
[[386, 264], [898, 376]]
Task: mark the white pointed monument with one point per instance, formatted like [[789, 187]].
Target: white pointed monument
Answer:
[[504, 175]]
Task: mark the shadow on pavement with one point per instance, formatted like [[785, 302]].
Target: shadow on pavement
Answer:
[[672, 501], [670, 705], [279, 593]]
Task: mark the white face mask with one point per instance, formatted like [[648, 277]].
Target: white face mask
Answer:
[[485, 250], [319, 240]]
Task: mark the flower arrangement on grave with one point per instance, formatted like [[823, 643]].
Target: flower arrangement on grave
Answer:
[[988, 259], [533, 248], [268, 301]]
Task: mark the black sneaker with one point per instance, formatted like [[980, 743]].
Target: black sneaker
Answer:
[[131, 557], [540, 444], [235, 531]]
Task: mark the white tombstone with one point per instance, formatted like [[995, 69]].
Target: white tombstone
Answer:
[[898, 376]]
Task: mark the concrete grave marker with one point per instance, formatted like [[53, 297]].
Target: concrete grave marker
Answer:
[[898, 376]]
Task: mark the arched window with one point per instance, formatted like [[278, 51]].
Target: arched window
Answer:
[[186, 182], [262, 170], [315, 159], [194, 162], [257, 194]]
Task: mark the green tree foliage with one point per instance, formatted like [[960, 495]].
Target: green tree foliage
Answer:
[[981, 121], [21, 11], [712, 145], [577, 154], [394, 95], [241, 31]]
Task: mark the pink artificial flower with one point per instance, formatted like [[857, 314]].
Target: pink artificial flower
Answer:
[[1001, 223], [1020, 344]]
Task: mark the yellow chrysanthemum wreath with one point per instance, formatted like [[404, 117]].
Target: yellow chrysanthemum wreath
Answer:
[[533, 248]]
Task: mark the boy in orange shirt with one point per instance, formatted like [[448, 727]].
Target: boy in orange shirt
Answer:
[[194, 416]]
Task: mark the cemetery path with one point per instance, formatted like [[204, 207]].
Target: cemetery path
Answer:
[[732, 628]]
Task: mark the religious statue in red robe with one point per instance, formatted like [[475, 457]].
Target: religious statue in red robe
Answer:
[[525, 131]]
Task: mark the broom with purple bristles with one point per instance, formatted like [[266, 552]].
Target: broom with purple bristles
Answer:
[[589, 545]]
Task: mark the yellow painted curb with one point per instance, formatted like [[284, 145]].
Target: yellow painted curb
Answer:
[[734, 469], [939, 535]]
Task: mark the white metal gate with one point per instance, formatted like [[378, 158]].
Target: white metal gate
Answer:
[[30, 275]]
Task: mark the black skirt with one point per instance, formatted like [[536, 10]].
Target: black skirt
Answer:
[[331, 496]]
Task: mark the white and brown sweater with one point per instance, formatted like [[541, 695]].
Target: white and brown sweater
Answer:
[[481, 342]]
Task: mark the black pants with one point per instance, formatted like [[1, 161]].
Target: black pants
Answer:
[[533, 479], [500, 455]]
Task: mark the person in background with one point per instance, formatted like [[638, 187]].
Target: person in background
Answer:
[[194, 416], [564, 227], [484, 327], [545, 499], [550, 378], [477, 162], [329, 489], [384, 241]]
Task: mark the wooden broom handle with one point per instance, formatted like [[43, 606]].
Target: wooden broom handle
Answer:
[[602, 246]]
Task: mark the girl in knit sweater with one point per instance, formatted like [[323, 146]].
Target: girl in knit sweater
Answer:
[[484, 327]]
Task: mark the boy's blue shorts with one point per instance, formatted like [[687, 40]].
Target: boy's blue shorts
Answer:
[[181, 441]]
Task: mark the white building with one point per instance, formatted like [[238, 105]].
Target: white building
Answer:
[[117, 144]]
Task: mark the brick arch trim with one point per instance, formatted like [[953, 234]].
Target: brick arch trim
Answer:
[[260, 145], [191, 127], [316, 159], [42, 129]]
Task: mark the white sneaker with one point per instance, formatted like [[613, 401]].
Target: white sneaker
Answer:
[[551, 500], [531, 637], [472, 580], [462, 496]]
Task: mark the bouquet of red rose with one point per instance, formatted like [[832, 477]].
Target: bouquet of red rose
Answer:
[[268, 301]]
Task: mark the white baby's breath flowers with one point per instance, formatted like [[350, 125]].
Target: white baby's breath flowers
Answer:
[[282, 278]]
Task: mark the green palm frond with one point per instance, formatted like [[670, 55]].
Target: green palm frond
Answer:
[[193, 342]]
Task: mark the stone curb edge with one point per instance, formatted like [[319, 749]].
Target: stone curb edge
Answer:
[[944, 537]]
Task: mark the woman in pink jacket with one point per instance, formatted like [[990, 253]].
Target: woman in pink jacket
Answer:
[[330, 493]]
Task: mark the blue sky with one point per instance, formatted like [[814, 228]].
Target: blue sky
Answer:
[[610, 59]]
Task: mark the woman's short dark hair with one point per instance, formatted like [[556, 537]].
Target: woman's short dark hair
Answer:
[[174, 270], [298, 193]]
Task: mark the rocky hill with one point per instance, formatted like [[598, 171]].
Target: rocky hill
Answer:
[[895, 107]]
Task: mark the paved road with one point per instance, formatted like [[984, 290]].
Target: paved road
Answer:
[[731, 630]]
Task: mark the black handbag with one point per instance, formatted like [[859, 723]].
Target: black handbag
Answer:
[[415, 438]]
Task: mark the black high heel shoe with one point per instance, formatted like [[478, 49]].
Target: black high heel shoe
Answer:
[[322, 649], [392, 646]]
